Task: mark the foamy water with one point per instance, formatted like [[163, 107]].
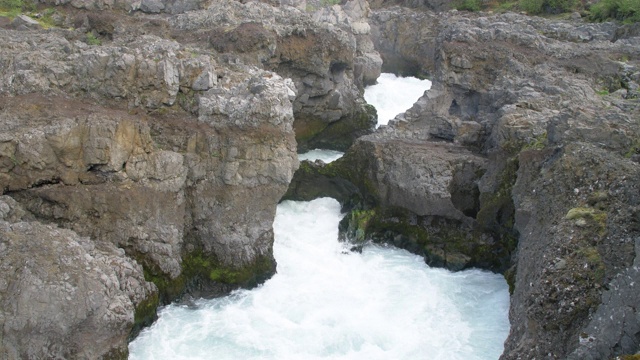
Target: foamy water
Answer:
[[393, 95], [328, 303], [319, 154]]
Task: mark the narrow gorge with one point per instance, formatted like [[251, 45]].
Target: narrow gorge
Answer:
[[145, 146]]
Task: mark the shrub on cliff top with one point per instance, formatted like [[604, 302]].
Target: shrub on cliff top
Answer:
[[547, 6], [627, 11], [469, 5], [11, 8]]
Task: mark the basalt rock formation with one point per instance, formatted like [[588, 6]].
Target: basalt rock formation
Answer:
[[522, 158], [168, 188], [328, 54], [142, 156]]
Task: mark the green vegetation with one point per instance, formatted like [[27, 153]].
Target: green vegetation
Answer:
[[594, 263], [634, 149], [537, 143], [537, 7], [358, 224], [510, 277], [204, 267], [92, 39], [329, 2], [144, 315], [46, 18], [469, 5], [628, 357], [12, 8], [627, 11], [599, 217]]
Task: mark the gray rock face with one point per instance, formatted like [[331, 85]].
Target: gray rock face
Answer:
[[147, 6], [328, 54], [137, 154], [406, 40], [536, 100], [66, 297]]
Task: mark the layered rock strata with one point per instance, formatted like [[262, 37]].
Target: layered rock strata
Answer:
[[145, 170], [158, 145], [328, 54]]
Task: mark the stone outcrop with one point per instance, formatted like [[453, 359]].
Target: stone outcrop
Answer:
[[146, 171], [158, 145], [406, 40], [328, 54], [552, 106], [142, 157], [67, 296]]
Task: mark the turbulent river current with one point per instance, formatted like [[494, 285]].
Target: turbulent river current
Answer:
[[326, 302]]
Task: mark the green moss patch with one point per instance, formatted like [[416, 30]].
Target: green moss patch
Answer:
[[117, 354], [144, 315], [593, 220]]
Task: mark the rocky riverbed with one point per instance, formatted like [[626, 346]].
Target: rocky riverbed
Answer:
[[145, 144]]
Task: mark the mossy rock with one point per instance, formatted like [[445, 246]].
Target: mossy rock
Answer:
[[118, 353], [443, 243], [510, 278], [313, 132], [590, 219], [628, 357], [205, 270], [145, 314], [587, 213]]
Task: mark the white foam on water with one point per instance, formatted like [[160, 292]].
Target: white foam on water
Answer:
[[328, 303], [321, 154], [394, 95]]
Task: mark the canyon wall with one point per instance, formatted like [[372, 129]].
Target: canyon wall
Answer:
[[142, 155], [522, 158]]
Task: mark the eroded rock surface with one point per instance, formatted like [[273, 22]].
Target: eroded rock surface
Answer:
[[328, 54], [67, 296], [146, 171], [553, 107]]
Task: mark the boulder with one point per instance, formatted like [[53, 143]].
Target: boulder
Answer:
[[328, 54], [67, 297]]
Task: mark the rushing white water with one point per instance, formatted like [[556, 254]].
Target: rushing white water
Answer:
[[393, 95], [318, 154], [328, 303]]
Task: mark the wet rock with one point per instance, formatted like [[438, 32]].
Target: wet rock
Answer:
[[557, 190]]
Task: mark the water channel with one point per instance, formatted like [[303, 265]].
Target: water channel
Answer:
[[326, 302]]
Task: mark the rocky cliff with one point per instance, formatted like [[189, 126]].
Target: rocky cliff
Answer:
[[522, 158], [143, 151], [553, 108], [144, 146]]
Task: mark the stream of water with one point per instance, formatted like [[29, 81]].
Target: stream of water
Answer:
[[393, 95], [326, 302]]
